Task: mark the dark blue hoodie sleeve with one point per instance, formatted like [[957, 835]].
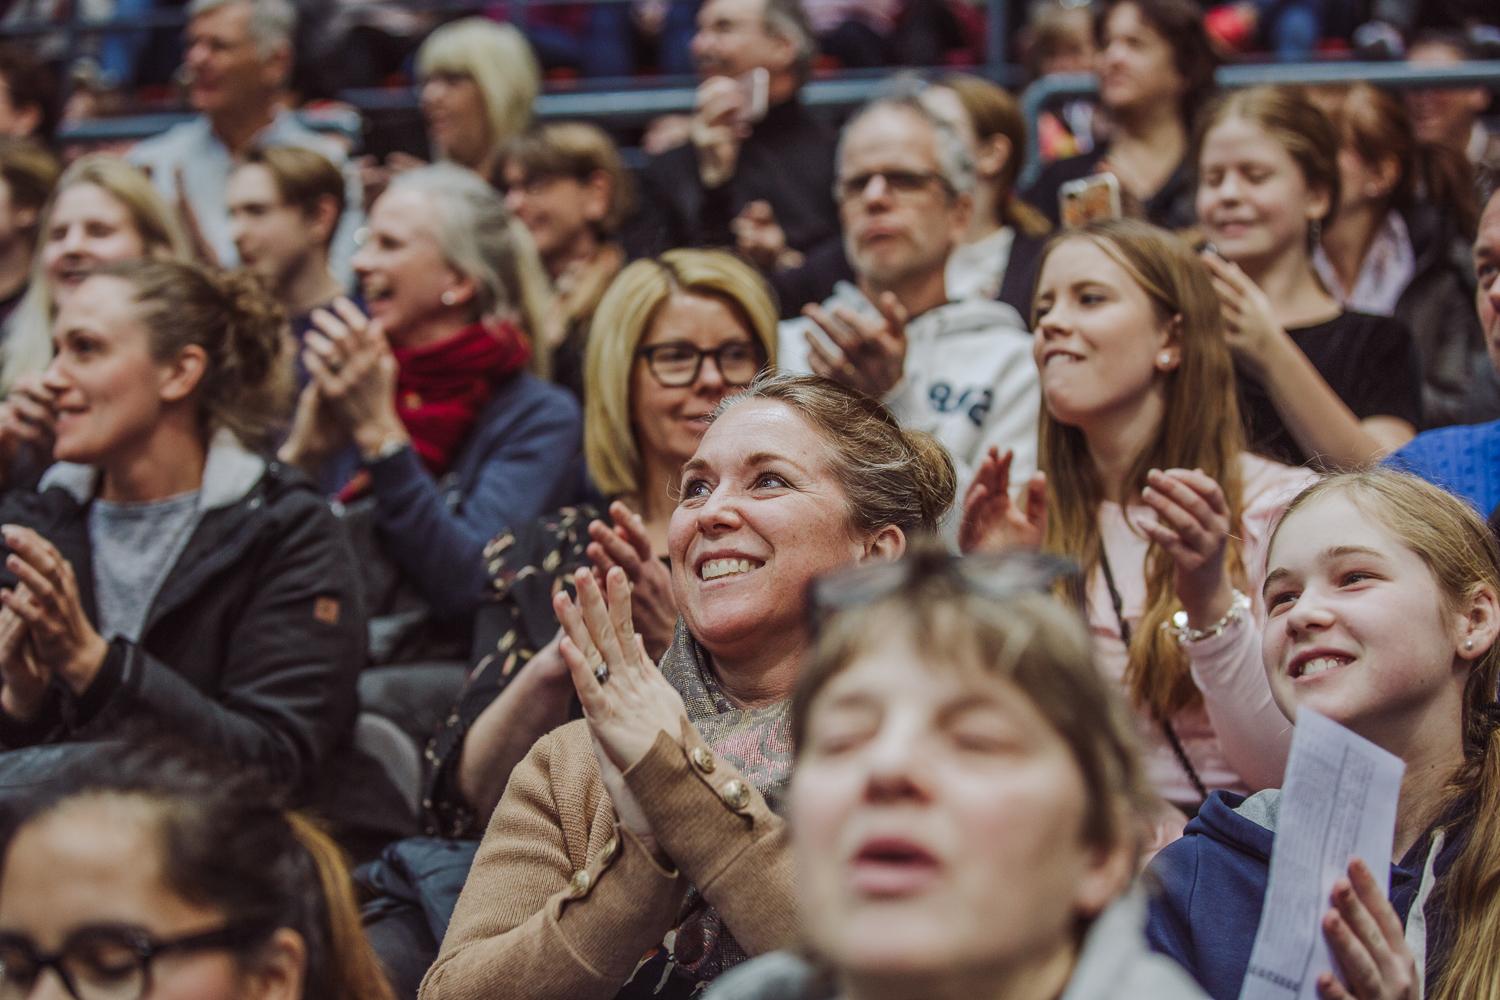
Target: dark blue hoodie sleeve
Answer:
[[1171, 878]]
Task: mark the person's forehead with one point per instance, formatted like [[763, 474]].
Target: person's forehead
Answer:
[[230, 22], [732, 10], [891, 133]]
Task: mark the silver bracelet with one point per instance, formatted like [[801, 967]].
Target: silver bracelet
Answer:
[[1177, 626]]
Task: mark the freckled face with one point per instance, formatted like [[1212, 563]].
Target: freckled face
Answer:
[[1356, 627], [761, 515]]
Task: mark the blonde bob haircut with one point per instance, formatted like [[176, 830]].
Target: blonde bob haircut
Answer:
[[28, 344], [499, 60], [622, 320]]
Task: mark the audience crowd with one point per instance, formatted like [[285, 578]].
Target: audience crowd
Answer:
[[770, 555]]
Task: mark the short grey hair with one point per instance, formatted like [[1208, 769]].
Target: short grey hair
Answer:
[[481, 239], [272, 22], [955, 161], [788, 19]]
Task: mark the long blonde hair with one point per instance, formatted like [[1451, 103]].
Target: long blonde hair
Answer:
[[28, 344], [1200, 429], [1460, 552]]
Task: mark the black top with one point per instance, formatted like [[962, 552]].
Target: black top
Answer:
[[787, 161], [1371, 362], [1170, 207]]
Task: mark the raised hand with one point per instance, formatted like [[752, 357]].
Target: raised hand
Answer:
[[1368, 943], [48, 603], [867, 353], [1192, 525], [624, 544], [23, 679], [716, 129], [27, 418], [625, 698], [991, 521], [759, 237], [348, 357], [1248, 316]]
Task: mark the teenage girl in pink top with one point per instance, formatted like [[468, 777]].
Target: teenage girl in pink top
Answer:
[[1147, 485]]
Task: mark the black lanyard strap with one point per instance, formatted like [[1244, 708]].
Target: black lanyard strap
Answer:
[[1166, 725]]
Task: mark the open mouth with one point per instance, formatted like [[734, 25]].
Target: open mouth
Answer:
[[718, 569], [377, 288], [1317, 665], [890, 866]]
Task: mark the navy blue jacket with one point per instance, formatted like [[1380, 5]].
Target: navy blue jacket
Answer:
[[1211, 884], [518, 462]]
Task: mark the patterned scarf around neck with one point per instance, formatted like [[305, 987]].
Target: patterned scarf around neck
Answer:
[[758, 742]]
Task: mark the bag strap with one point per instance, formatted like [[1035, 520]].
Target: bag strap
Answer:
[[1166, 725]]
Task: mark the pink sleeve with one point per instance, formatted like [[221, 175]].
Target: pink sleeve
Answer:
[[1228, 668]]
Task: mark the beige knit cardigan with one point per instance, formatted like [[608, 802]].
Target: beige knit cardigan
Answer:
[[561, 903]]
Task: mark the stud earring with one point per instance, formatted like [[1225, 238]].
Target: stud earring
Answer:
[[1468, 645], [1164, 359], [448, 298]]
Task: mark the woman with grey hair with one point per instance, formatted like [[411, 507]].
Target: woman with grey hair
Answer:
[[420, 406]]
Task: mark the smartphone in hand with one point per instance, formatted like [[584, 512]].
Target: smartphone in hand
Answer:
[[755, 95], [1087, 199]]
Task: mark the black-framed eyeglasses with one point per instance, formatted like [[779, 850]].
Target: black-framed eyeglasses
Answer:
[[677, 363], [1000, 576], [106, 961], [899, 181]]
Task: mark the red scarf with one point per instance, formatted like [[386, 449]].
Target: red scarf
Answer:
[[441, 388]]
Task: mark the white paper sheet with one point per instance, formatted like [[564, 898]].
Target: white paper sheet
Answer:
[[1338, 803]]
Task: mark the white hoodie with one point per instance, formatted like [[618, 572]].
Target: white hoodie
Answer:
[[969, 379]]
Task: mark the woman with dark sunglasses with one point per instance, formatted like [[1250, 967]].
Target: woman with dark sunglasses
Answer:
[[671, 338], [152, 875], [637, 852]]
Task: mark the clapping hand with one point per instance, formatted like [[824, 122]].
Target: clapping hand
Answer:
[[355, 372], [867, 353], [1368, 943], [624, 544], [991, 521], [1192, 525], [27, 418], [48, 603], [625, 698], [23, 679]]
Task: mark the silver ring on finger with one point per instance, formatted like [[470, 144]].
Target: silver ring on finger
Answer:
[[601, 673]]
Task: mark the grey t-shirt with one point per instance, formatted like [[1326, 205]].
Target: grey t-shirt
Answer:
[[135, 546]]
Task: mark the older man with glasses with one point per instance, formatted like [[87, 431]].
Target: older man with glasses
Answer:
[[960, 370]]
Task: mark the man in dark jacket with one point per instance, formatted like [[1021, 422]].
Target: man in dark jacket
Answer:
[[742, 153]]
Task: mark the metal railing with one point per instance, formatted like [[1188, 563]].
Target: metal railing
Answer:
[[1399, 75]]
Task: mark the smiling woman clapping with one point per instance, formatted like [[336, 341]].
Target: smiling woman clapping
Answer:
[[166, 573], [649, 827]]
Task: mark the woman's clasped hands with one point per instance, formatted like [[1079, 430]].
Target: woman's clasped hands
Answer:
[[43, 627], [352, 392], [625, 698]]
